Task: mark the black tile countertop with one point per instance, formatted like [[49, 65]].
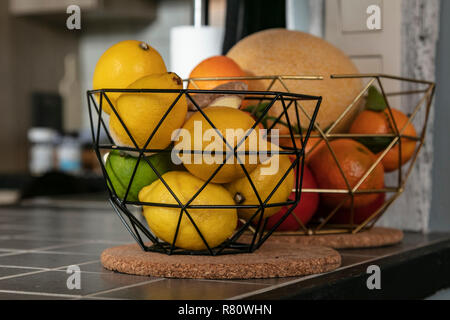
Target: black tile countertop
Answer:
[[38, 243]]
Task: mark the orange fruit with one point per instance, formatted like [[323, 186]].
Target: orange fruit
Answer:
[[372, 122], [217, 66], [355, 160], [287, 142], [309, 151], [312, 142], [360, 215]]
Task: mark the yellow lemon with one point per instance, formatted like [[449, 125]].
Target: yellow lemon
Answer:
[[124, 63], [233, 125], [265, 178], [141, 112], [216, 225]]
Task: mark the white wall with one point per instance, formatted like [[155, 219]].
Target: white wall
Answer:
[[95, 41], [405, 46]]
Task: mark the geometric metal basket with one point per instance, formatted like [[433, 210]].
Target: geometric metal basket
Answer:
[[419, 94], [236, 243]]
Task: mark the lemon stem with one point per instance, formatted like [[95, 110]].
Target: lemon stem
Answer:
[[143, 46], [239, 198]]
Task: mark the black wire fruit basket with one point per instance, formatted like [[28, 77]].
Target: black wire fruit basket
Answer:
[[237, 242]]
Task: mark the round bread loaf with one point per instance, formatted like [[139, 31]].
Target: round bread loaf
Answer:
[[284, 52]]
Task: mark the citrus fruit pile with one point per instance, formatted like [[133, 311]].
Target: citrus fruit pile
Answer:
[[360, 163], [152, 129], [193, 200]]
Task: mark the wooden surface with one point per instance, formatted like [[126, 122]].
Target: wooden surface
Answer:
[[376, 237], [273, 260]]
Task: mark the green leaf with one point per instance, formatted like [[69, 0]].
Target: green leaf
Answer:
[[375, 144], [375, 100], [258, 111]]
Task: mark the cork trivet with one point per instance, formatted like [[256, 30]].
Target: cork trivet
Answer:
[[272, 260], [375, 237]]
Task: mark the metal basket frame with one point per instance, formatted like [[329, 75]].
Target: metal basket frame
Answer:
[[324, 226], [234, 244]]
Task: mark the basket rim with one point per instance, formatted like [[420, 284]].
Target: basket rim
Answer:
[[296, 96], [316, 77]]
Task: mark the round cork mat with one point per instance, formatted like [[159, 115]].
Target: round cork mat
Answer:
[[272, 260], [372, 238]]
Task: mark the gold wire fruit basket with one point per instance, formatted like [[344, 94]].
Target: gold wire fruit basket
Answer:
[[417, 94]]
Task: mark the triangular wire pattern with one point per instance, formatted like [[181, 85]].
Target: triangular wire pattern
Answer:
[[132, 224]]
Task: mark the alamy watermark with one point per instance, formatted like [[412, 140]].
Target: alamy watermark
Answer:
[[374, 19], [73, 22], [74, 280], [374, 280]]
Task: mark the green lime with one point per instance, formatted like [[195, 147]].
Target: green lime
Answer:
[[120, 167]]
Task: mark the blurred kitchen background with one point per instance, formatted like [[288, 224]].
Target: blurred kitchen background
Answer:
[[46, 68]]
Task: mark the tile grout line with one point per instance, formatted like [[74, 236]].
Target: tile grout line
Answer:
[[356, 255], [42, 250], [233, 281], [13, 253], [122, 288], [98, 298], [21, 267], [61, 269], [79, 264], [41, 293], [58, 246], [262, 290], [83, 263], [63, 253], [23, 274], [38, 238], [90, 272], [43, 270], [8, 253]]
